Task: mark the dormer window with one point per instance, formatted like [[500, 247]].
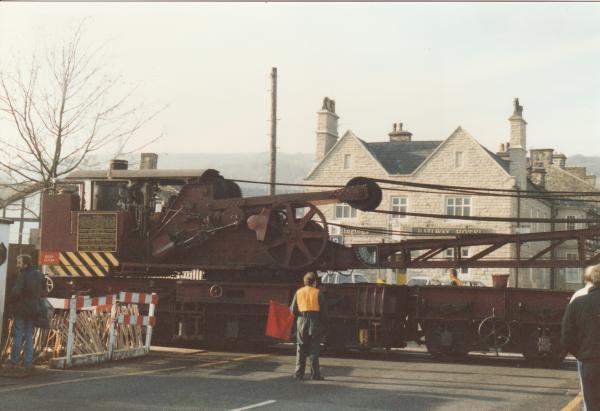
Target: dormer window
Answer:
[[347, 161]]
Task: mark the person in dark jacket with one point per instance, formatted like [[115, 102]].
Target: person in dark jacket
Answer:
[[310, 308], [25, 298], [580, 335]]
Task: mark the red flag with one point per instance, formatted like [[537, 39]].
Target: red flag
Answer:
[[279, 322]]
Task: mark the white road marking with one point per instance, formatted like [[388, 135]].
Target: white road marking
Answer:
[[260, 404]]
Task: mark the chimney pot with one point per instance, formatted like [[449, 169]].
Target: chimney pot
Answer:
[[399, 134]]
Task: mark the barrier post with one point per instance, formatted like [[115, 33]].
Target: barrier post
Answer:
[[71, 333], [150, 315], [113, 322]]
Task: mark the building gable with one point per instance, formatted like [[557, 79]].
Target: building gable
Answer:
[[361, 157], [460, 146]]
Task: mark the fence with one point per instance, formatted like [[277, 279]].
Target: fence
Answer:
[[88, 330]]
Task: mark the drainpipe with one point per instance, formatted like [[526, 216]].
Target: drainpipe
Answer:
[[517, 244]]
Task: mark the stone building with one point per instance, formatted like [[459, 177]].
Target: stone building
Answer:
[[458, 160]]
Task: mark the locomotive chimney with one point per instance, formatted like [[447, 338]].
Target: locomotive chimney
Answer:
[[116, 164], [148, 161]]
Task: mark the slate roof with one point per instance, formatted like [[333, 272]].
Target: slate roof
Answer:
[[505, 164], [401, 157]]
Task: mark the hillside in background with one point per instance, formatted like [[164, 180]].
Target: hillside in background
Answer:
[[291, 168]]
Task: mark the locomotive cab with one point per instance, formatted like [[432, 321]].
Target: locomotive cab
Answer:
[[100, 219]]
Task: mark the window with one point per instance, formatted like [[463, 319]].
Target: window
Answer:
[[458, 159], [464, 254], [398, 204], [531, 277], [347, 161], [572, 274], [540, 226], [344, 211], [571, 225], [458, 206]]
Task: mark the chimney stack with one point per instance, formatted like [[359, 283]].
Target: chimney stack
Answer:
[[517, 151], [538, 176], [559, 160], [327, 128], [399, 134], [541, 157]]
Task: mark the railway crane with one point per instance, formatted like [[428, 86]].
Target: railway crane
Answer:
[[141, 229]]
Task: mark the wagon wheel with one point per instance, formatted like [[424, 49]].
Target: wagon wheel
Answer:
[[494, 332], [49, 284], [447, 339], [296, 242], [541, 345]]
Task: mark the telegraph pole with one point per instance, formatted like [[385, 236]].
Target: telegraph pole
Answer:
[[273, 162]]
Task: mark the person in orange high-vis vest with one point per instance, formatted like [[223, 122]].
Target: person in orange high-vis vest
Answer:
[[310, 308]]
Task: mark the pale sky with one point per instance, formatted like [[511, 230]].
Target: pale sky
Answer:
[[432, 66]]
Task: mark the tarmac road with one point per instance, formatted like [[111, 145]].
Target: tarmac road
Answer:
[[179, 379]]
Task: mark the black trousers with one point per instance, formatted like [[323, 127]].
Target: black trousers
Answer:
[[308, 345], [590, 381]]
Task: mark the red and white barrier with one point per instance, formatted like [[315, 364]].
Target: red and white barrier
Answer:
[[79, 303], [136, 320], [138, 298], [82, 302]]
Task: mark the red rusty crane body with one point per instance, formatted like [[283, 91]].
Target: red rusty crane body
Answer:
[[254, 249]]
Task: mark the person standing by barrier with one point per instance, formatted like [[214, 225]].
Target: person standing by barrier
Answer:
[[580, 335], [453, 277], [25, 298], [310, 308]]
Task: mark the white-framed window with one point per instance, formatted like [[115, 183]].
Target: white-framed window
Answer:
[[534, 226], [464, 253], [398, 204], [344, 211], [347, 161], [460, 206], [531, 276], [571, 225], [572, 274], [458, 159], [540, 226]]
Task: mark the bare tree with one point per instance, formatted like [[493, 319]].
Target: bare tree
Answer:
[[63, 109]]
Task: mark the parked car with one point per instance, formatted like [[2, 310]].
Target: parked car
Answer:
[[466, 283], [421, 281], [343, 277], [473, 283]]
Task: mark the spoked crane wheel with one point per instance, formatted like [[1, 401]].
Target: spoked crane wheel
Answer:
[[297, 234]]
